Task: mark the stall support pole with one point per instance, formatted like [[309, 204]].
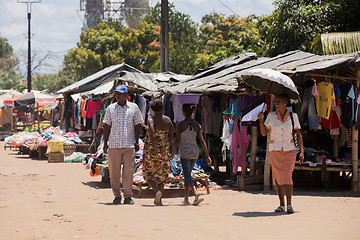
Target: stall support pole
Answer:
[[254, 135], [38, 118], [12, 119], [267, 182], [336, 137], [67, 122], [355, 184], [336, 146]]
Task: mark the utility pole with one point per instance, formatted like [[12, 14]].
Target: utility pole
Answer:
[[28, 3], [164, 37]]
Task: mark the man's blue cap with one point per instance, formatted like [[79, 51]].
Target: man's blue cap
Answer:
[[121, 89]]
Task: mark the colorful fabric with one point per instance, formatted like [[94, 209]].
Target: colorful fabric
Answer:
[[91, 107], [154, 169], [122, 121], [281, 137], [323, 102]]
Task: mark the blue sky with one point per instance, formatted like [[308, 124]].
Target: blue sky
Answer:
[[56, 24]]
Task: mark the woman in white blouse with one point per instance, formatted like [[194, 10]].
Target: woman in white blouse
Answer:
[[282, 152]]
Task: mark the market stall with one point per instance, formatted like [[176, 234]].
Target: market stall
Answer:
[[339, 69]]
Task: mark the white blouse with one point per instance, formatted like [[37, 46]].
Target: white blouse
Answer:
[[281, 131]]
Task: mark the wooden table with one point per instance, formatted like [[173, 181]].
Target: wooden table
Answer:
[[143, 186]]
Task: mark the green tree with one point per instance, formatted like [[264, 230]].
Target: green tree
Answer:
[[8, 61], [8, 64], [294, 23], [109, 44]]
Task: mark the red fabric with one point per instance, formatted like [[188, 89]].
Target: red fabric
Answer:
[[332, 123], [91, 107]]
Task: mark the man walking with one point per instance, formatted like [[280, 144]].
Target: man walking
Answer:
[[122, 125]]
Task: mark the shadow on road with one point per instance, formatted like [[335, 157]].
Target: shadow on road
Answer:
[[97, 185], [258, 214]]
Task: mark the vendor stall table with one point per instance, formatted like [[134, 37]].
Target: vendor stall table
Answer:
[[143, 186], [330, 172]]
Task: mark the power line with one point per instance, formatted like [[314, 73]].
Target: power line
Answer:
[[229, 8]]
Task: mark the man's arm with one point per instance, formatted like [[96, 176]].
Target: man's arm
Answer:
[[107, 128], [137, 136]]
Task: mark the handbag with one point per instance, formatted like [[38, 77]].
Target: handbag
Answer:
[[294, 134]]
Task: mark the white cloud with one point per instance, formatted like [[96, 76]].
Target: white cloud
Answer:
[[56, 25]]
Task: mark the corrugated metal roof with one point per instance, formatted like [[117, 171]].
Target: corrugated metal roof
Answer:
[[116, 72], [223, 77]]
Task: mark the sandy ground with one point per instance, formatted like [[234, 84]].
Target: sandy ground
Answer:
[[39, 200]]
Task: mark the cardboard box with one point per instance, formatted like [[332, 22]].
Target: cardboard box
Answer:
[[55, 157]]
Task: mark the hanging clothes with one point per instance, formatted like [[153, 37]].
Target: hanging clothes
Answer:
[[141, 102], [177, 108], [239, 144], [333, 123], [212, 120], [323, 102], [347, 102], [308, 115]]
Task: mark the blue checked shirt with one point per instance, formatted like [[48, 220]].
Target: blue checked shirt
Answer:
[[122, 121]]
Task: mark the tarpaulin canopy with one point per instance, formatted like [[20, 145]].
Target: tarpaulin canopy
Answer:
[[6, 96], [42, 99], [11, 100]]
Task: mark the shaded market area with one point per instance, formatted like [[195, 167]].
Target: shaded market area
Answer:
[[224, 101]]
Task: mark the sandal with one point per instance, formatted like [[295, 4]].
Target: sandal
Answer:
[[280, 209], [197, 202], [290, 209]]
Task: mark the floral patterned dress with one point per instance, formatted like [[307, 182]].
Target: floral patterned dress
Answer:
[[154, 169]]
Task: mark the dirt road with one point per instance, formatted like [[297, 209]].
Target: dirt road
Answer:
[[39, 200]]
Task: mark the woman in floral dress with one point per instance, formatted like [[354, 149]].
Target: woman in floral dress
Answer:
[[159, 137]]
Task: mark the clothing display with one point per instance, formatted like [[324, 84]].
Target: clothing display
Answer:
[[323, 102], [212, 119], [177, 108], [238, 147], [308, 114]]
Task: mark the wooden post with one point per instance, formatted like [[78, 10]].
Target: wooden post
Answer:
[[254, 136], [355, 185], [164, 37], [38, 118], [267, 180], [67, 122], [12, 119], [336, 146], [336, 137]]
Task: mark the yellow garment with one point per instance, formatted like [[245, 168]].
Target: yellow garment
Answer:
[[323, 102], [55, 146]]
